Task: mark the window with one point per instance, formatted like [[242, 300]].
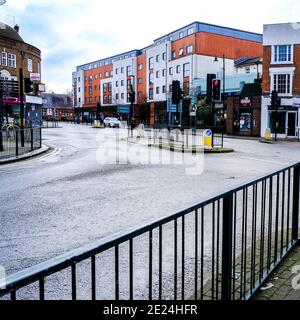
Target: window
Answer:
[[104, 87], [164, 72], [79, 89], [140, 94], [173, 54], [151, 94], [4, 59], [151, 63], [140, 80], [180, 34], [164, 89], [189, 49], [178, 69], [164, 56], [186, 70], [122, 96], [151, 78], [180, 52], [122, 83], [157, 74], [117, 83], [111, 73], [100, 75], [282, 83], [248, 70], [79, 79], [140, 67], [30, 65], [129, 70], [95, 76], [122, 70], [11, 60], [158, 58], [157, 90], [107, 74], [190, 31], [117, 71], [171, 71], [117, 96], [283, 53]]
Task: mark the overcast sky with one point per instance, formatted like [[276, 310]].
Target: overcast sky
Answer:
[[73, 32]]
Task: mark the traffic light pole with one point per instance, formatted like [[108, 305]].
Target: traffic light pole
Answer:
[[22, 107]]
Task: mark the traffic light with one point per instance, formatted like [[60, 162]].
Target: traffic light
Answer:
[[132, 96], [275, 100], [177, 93], [210, 78], [216, 90], [29, 86]]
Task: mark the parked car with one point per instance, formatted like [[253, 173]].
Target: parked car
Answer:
[[112, 123]]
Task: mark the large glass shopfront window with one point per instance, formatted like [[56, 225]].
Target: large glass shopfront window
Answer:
[[280, 118]]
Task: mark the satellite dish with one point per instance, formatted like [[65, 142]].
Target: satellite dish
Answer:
[[2, 2]]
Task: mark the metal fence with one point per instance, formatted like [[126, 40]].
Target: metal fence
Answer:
[[17, 142], [184, 137], [222, 248]]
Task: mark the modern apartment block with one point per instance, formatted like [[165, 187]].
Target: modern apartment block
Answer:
[[186, 54], [282, 74]]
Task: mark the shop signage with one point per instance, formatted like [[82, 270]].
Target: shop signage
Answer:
[[246, 102], [35, 76]]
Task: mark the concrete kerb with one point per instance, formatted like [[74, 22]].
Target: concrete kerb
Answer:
[[26, 156]]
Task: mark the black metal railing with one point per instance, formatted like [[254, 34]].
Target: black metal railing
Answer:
[[17, 142], [222, 248]]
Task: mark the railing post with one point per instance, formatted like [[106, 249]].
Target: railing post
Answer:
[[40, 137], [17, 143], [227, 247], [295, 226], [31, 138]]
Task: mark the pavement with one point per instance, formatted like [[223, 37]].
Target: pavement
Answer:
[[284, 284], [28, 155], [73, 196]]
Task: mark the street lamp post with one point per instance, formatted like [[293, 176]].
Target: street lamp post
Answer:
[[224, 88]]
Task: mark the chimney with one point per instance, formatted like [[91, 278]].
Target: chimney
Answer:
[[17, 28]]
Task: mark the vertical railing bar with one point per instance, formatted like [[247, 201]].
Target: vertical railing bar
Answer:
[[202, 253], [245, 242], [150, 263], [213, 251], [183, 259], [288, 211], [277, 220], [270, 228], [42, 289], [263, 221], [73, 270], [227, 247], [255, 237], [131, 269], [13, 296], [242, 255], [295, 219], [160, 262], [117, 284], [93, 274], [175, 258], [252, 240], [196, 255], [283, 212], [234, 243], [218, 250]]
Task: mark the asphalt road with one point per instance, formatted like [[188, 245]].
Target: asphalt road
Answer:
[[70, 198]]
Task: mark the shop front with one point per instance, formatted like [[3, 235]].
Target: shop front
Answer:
[[285, 121], [243, 115]]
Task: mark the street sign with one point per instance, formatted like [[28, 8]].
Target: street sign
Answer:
[[193, 111], [42, 87]]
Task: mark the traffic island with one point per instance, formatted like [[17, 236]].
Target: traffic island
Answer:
[[191, 150]]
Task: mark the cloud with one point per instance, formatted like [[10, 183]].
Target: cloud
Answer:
[[73, 32]]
